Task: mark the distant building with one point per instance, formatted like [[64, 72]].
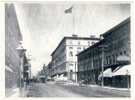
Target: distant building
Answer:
[[26, 69], [12, 58], [115, 45], [49, 69], [64, 59]]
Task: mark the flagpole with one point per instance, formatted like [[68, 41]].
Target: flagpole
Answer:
[[67, 11], [74, 32], [73, 20]]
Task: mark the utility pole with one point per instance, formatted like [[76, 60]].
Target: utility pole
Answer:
[[102, 84], [102, 66], [75, 71]]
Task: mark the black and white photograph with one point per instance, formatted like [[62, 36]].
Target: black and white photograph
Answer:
[[68, 49]]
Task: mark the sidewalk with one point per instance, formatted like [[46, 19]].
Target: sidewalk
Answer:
[[16, 92], [108, 87], [12, 92], [24, 92], [98, 86]]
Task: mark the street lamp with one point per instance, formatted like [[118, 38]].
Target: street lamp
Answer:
[[21, 52]]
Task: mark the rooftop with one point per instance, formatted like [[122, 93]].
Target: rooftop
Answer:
[[74, 37], [116, 27], [106, 34]]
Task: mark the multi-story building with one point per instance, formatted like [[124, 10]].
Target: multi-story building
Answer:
[[64, 59], [12, 58], [17, 66], [110, 52]]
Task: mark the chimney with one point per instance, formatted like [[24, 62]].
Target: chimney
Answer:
[[74, 35]]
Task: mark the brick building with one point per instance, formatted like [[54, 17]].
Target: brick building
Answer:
[[115, 44]]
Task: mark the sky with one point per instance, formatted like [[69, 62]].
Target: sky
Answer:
[[44, 25]]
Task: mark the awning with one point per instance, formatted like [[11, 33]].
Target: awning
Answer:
[[124, 70], [123, 58], [8, 68], [106, 73], [41, 76]]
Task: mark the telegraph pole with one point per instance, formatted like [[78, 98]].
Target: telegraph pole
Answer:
[[102, 66], [102, 84]]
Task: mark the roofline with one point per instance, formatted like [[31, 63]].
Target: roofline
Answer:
[[96, 44], [117, 26], [13, 8], [106, 33], [75, 38]]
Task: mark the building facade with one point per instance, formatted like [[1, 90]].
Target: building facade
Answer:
[[115, 44], [17, 66], [49, 69], [12, 58], [64, 59]]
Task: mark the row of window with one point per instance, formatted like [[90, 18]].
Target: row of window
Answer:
[[79, 49], [79, 42], [109, 60]]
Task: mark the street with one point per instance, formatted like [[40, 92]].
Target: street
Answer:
[[61, 90]]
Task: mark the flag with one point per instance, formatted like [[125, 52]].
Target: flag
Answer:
[[69, 10]]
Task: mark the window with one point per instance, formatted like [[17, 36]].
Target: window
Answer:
[[71, 64], [110, 62], [106, 60], [114, 60], [78, 51], [79, 48], [65, 74], [88, 43], [120, 53], [70, 53], [71, 70], [79, 43], [70, 47], [70, 42], [92, 43], [124, 52]]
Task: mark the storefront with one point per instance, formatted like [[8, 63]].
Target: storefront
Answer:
[[122, 76]]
